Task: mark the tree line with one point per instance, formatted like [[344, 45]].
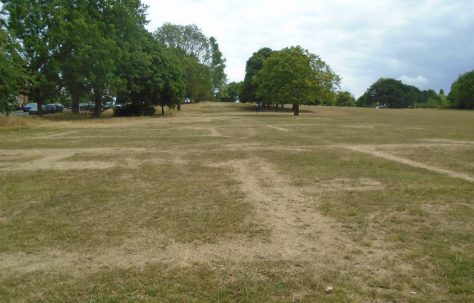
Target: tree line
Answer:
[[391, 93], [293, 75], [75, 51], [95, 50]]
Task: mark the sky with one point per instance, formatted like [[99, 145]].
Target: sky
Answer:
[[426, 43]]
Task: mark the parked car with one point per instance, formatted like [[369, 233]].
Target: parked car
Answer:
[[85, 106], [27, 107], [49, 109], [59, 107], [107, 105]]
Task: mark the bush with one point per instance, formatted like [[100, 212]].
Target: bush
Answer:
[[462, 91], [130, 109]]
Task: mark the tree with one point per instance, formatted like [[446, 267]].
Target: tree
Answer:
[[173, 90], [153, 77], [98, 39], [217, 67], [462, 91], [390, 93], [293, 75], [13, 77], [345, 99], [197, 79], [231, 92], [31, 24], [185, 38], [203, 61], [253, 66]]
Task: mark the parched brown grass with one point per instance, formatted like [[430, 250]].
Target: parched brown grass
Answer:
[[218, 203]]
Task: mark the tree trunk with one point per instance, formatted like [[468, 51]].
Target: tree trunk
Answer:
[[179, 106], [276, 106], [75, 104], [296, 109], [98, 104], [39, 104], [162, 110]]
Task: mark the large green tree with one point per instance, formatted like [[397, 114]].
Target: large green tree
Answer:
[[198, 79], [462, 91], [98, 40], [253, 66], [294, 75], [231, 92], [217, 66], [186, 38], [345, 99], [13, 77], [194, 48], [32, 24], [390, 93]]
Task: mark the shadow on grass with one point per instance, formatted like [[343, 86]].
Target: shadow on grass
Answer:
[[272, 109]]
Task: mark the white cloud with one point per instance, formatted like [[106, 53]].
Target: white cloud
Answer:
[[361, 40], [416, 81]]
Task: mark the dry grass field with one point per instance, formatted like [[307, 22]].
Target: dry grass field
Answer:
[[218, 203]]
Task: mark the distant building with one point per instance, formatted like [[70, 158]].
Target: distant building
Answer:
[[22, 99]]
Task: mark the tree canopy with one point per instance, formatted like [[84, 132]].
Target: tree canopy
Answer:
[[32, 24], [462, 91], [13, 77], [231, 92], [389, 93], [98, 49], [194, 48], [253, 66], [345, 99], [294, 75]]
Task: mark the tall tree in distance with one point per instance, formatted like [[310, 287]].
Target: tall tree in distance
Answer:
[[194, 48], [345, 99], [293, 75], [462, 91], [13, 79], [253, 66], [32, 25], [186, 38], [219, 77], [389, 93]]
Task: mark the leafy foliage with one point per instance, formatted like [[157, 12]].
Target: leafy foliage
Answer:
[[217, 66], [253, 66], [389, 93], [185, 38], [462, 91], [13, 76], [231, 92], [89, 49], [293, 75], [345, 99], [201, 57], [31, 23]]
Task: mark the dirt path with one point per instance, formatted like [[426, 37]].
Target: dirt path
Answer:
[[298, 233], [56, 159], [372, 150], [277, 128]]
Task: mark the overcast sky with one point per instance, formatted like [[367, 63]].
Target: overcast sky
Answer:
[[427, 43]]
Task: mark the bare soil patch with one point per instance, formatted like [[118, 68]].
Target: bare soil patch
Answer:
[[277, 128], [345, 184], [374, 151], [56, 159]]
